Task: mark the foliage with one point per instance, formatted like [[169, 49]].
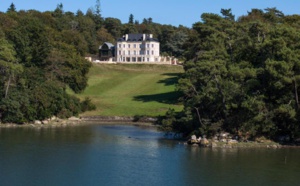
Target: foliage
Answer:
[[41, 54], [241, 76]]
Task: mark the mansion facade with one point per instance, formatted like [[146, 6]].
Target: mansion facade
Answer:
[[132, 48]]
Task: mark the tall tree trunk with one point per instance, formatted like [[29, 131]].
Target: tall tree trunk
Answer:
[[223, 97], [7, 87], [199, 117], [296, 94]]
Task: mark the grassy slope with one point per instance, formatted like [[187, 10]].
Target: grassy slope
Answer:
[[129, 89]]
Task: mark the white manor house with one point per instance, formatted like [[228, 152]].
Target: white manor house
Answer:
[[133, 48], [137, 48]]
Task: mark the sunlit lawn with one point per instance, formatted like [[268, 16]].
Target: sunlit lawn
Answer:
[[132, 89]]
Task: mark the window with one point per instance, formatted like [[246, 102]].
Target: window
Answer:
[[128, 45], [134, 45], [148, 52], [134, 52], [148, 59], [123, 45], [128, 52], [120, 52], [120, 45], [148, 45], [152, 45], [152, 52], [124, 52]]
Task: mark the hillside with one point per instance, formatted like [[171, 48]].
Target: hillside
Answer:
[[130, 90]]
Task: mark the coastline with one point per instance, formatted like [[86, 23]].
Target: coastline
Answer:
[[143, 122], [93, 120]]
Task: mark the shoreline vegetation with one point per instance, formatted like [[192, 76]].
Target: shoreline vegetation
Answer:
[[147, 122]]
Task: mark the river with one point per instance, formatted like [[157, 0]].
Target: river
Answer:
[[131, 155]]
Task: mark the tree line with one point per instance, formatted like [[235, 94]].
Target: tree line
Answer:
[[241, 76]]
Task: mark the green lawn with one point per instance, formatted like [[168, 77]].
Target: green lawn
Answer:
[[132, 89]]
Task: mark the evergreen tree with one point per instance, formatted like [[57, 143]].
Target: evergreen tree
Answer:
[[12, 8], [131, 18]]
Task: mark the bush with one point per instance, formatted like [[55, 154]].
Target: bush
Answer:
[[87, 105]]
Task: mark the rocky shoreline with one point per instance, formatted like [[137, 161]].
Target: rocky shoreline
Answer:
[[222, 140], [76, 121], [225, 140]]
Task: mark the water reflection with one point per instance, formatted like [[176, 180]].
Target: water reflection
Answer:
[[222, 166], [129, 155]]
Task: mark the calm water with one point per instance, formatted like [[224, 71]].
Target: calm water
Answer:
[[129, 155]]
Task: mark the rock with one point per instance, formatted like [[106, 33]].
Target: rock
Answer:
[[223, 140], [45, 122], [204, 142], [53, 118], [232, 141], [73, 118], [193, 137], [224, 134], [192, 141], [213, 145], [215, 138], [37, 122], [199, 139]]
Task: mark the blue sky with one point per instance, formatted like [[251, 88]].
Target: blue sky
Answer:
[[174, 12]]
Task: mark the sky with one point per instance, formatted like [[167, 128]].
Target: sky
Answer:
[[174, 12]]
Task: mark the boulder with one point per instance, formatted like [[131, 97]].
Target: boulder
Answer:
[[53, 118], [193, 137], [192, 141], [213, 145], [37, 122], [204, 142], [223, 140], [45, 122], [199, 139], [232, 141]]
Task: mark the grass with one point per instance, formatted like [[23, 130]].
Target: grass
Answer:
[[132, 89]]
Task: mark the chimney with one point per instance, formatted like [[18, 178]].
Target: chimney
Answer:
[[144, 37]]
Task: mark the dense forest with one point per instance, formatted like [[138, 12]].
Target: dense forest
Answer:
[[42, 56], [241, 75]]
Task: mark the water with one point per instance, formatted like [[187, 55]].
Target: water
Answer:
[[129, 155]]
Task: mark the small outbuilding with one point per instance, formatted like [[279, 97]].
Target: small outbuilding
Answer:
[[106, 52]]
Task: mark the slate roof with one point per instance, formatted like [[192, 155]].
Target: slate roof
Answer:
[[109, 45], [137, 37]]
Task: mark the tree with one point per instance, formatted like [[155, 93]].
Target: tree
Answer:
[[227, 14], [242, 77], [12, 8], [59, 11], [113, 26], [9, 67], [131, 18], [97, 15]]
